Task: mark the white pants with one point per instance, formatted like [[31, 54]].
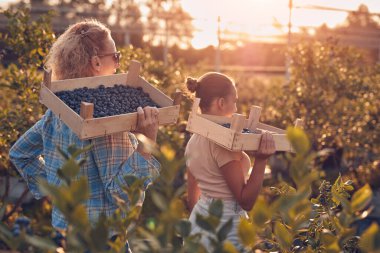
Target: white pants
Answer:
[[231, 209]]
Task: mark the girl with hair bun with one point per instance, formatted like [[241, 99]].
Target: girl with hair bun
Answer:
[[217, 173]]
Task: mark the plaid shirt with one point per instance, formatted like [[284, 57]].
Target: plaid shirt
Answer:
[[111, 158]]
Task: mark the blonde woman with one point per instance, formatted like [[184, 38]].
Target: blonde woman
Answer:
[[217, 173], [85, 49]]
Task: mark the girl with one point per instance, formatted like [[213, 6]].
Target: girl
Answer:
[[215, 172]]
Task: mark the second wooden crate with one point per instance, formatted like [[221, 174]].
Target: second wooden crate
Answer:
[[211, 127]]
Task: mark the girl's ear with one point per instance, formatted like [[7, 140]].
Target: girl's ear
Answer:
[[220, 102], [95, 63]]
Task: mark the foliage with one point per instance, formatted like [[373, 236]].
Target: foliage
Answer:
[[337, 94], [27, 42]]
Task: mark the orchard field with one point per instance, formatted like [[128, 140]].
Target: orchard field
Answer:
[[323, 198]]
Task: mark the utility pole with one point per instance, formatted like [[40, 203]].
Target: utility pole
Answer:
[[287, 64], [166, 46], [217, 53]]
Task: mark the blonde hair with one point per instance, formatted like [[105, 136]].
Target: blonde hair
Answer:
[[210, 86], [70, 56]]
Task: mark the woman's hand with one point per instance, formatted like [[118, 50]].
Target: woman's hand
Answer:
[[147, 122], [266, 147]]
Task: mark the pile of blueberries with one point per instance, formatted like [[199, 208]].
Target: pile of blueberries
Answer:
[[108, 101], [245, 130]]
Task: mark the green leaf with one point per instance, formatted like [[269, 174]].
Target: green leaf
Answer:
[[224, 230], [370, 239], [216, 208], [79, 190], [298, 140], [283, 236], [183, 228], [328, 238], [261, 212], [159, 201], [100, 232], [247, 232], [361, 198], [204, 223], [228, 247], [41, 243], [70, 169]]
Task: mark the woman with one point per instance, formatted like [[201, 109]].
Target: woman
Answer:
[[86, 49]]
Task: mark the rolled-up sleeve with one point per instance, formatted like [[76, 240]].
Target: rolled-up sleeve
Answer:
[[116, 158], [26, 155]]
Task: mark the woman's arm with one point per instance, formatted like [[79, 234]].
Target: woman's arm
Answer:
[[246, 193], [26, 155], [193, 191]]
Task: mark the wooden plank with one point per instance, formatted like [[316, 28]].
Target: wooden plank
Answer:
[[133, 73], [61, 110], [124, 122], [86, 110], [270, 128], [155, 94], [251, 142], [177, 97], [299, 123], [89, 82], [47, 78], [216, 119], [238, 122], [218, 134], [254, 117], [195, 107]]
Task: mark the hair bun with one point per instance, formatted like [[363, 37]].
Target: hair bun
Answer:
[[192, 84]]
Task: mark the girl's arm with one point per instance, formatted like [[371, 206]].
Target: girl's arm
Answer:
[[246, 193], [193, 191]]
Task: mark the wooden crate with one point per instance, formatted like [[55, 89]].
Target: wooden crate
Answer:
[[84, 125], [210, 126]]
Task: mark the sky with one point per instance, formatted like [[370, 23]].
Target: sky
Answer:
[[257, 17]]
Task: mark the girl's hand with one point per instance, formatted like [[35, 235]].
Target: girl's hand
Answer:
[[266, 147], [147, 122]]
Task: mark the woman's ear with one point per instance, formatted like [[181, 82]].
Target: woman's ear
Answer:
[[95, 63]]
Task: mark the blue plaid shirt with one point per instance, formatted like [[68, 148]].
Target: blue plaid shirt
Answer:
[[111, 158]]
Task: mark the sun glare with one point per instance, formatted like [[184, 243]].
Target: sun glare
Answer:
[[260, 20]]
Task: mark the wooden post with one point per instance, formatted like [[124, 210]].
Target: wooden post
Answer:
[[177, 98], [194, 110], [47, 78], [86, 110], [133, 72], [299, 123], [254, 116], [237, 122]]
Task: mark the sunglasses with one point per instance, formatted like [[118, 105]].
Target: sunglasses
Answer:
[[116, 56]]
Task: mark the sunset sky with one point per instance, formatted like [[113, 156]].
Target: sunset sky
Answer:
[[257, 17]]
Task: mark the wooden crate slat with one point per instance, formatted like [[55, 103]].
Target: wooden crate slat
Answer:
[[89, 82], [252, 141], [270, 128], [155, 94], [60, 109], [217, 133], [125, 122]]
